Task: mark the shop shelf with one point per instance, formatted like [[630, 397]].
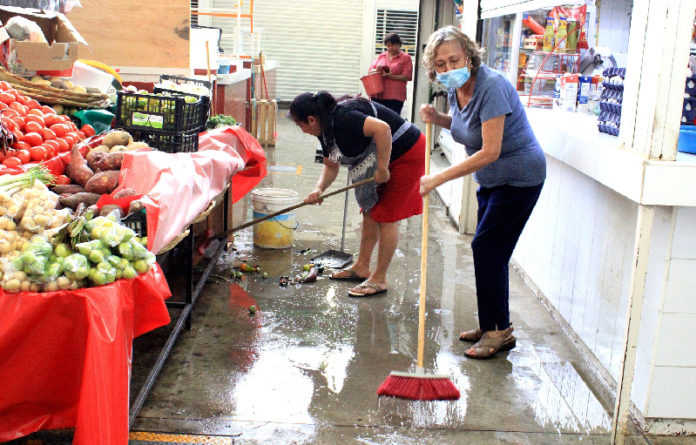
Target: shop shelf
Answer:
[[171, 113]]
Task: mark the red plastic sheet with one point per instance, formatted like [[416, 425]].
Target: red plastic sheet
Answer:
[[66, 357], [237, 142]]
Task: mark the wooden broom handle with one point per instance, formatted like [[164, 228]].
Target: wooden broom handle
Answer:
[[424, 251]]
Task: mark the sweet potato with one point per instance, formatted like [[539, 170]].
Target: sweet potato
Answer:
[[111, 161], [124, 193], [77, 169], [103, 182], [135, 206], [67, 188], [93, 158], [107, 209], [73, 201]]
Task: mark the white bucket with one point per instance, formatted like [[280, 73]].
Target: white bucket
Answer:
[[277, 232]]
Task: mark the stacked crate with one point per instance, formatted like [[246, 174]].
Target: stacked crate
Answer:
[[169, 122]]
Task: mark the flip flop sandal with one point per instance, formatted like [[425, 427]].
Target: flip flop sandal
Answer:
[[472, 336], [503, 343], [368, 284], [351, 276]]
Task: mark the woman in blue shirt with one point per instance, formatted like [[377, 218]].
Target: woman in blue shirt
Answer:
[[486, 115]]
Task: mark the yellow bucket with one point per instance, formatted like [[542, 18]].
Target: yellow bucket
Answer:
[[277, 232]]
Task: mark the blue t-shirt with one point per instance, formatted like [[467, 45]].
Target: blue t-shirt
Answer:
[[522, 162]]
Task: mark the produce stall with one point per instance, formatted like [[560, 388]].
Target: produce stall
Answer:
[[82, 338]]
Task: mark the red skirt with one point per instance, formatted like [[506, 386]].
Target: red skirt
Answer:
[[399, 198]]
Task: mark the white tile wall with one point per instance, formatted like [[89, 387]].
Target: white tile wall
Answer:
[[577, 248], [675, 341], [680, 291], [684, 239], [659, 258], [672, 393]]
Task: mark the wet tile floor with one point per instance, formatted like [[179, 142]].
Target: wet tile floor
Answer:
[[306, 366]]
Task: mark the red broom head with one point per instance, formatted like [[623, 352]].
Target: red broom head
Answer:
[[416, 387]]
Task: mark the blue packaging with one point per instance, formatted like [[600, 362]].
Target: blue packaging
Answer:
[[584, 89]]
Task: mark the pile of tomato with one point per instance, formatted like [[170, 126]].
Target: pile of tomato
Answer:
[[39, 132]]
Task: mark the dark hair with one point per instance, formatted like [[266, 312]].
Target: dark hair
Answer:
[[392, 38], [319, 105]]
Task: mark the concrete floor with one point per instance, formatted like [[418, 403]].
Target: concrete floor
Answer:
[[305, 368]]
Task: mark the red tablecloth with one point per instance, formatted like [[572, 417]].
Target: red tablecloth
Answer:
[[65, 357]]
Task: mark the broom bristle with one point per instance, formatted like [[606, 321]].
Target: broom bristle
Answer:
[[418, 388]]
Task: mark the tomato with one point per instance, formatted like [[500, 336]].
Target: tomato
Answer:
[[24, 156], [60, 129], [21, 98], [19, 120], [88, 130], [19, 108], [35, 118], [38, 153], [9, 112], [33, 104], [71, 139], [18, 135], [51, 143], [10, 124], [33, 139], [4, 86], [81, 135], [12, 162], [6, 98], [62, 180], [51, 119], [47, 110], [3, 106], [48, 134], [2, 156], [62, 145], [50, 150], [33, 126], [35, 111]]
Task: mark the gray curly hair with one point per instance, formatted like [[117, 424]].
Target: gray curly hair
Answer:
[[450, 33]]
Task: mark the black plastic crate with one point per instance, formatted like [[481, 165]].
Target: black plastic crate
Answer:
[[169, 142], [169, 113], [183, 80], [137, 221], [205, 109]]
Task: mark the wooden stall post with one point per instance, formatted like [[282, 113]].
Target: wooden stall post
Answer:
[[263, 121]]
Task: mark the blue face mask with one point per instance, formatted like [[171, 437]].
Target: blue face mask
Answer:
[[455, 78]]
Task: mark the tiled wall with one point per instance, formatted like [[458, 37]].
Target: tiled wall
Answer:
[[578, 247], [670, 307]]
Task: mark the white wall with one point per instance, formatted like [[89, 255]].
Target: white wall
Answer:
[[577, 249], [666, 368]]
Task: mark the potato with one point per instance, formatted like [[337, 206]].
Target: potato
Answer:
[[25, 285], [63, 283], [137, 145], [100, 149], [93, 158], [103, 182], [118, 148], [12, 285], [117, 137]]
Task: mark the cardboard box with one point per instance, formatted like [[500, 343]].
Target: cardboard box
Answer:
[[29, 58]]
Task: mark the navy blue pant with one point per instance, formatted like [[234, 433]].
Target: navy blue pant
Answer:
[[503, 211]]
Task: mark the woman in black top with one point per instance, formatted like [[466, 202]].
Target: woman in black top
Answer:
[[373, 141]]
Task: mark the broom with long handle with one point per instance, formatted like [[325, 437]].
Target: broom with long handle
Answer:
[[419, 385]]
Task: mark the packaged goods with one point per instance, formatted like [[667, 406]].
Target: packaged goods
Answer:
[[569, 92], [561, 35], [548, 35]]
